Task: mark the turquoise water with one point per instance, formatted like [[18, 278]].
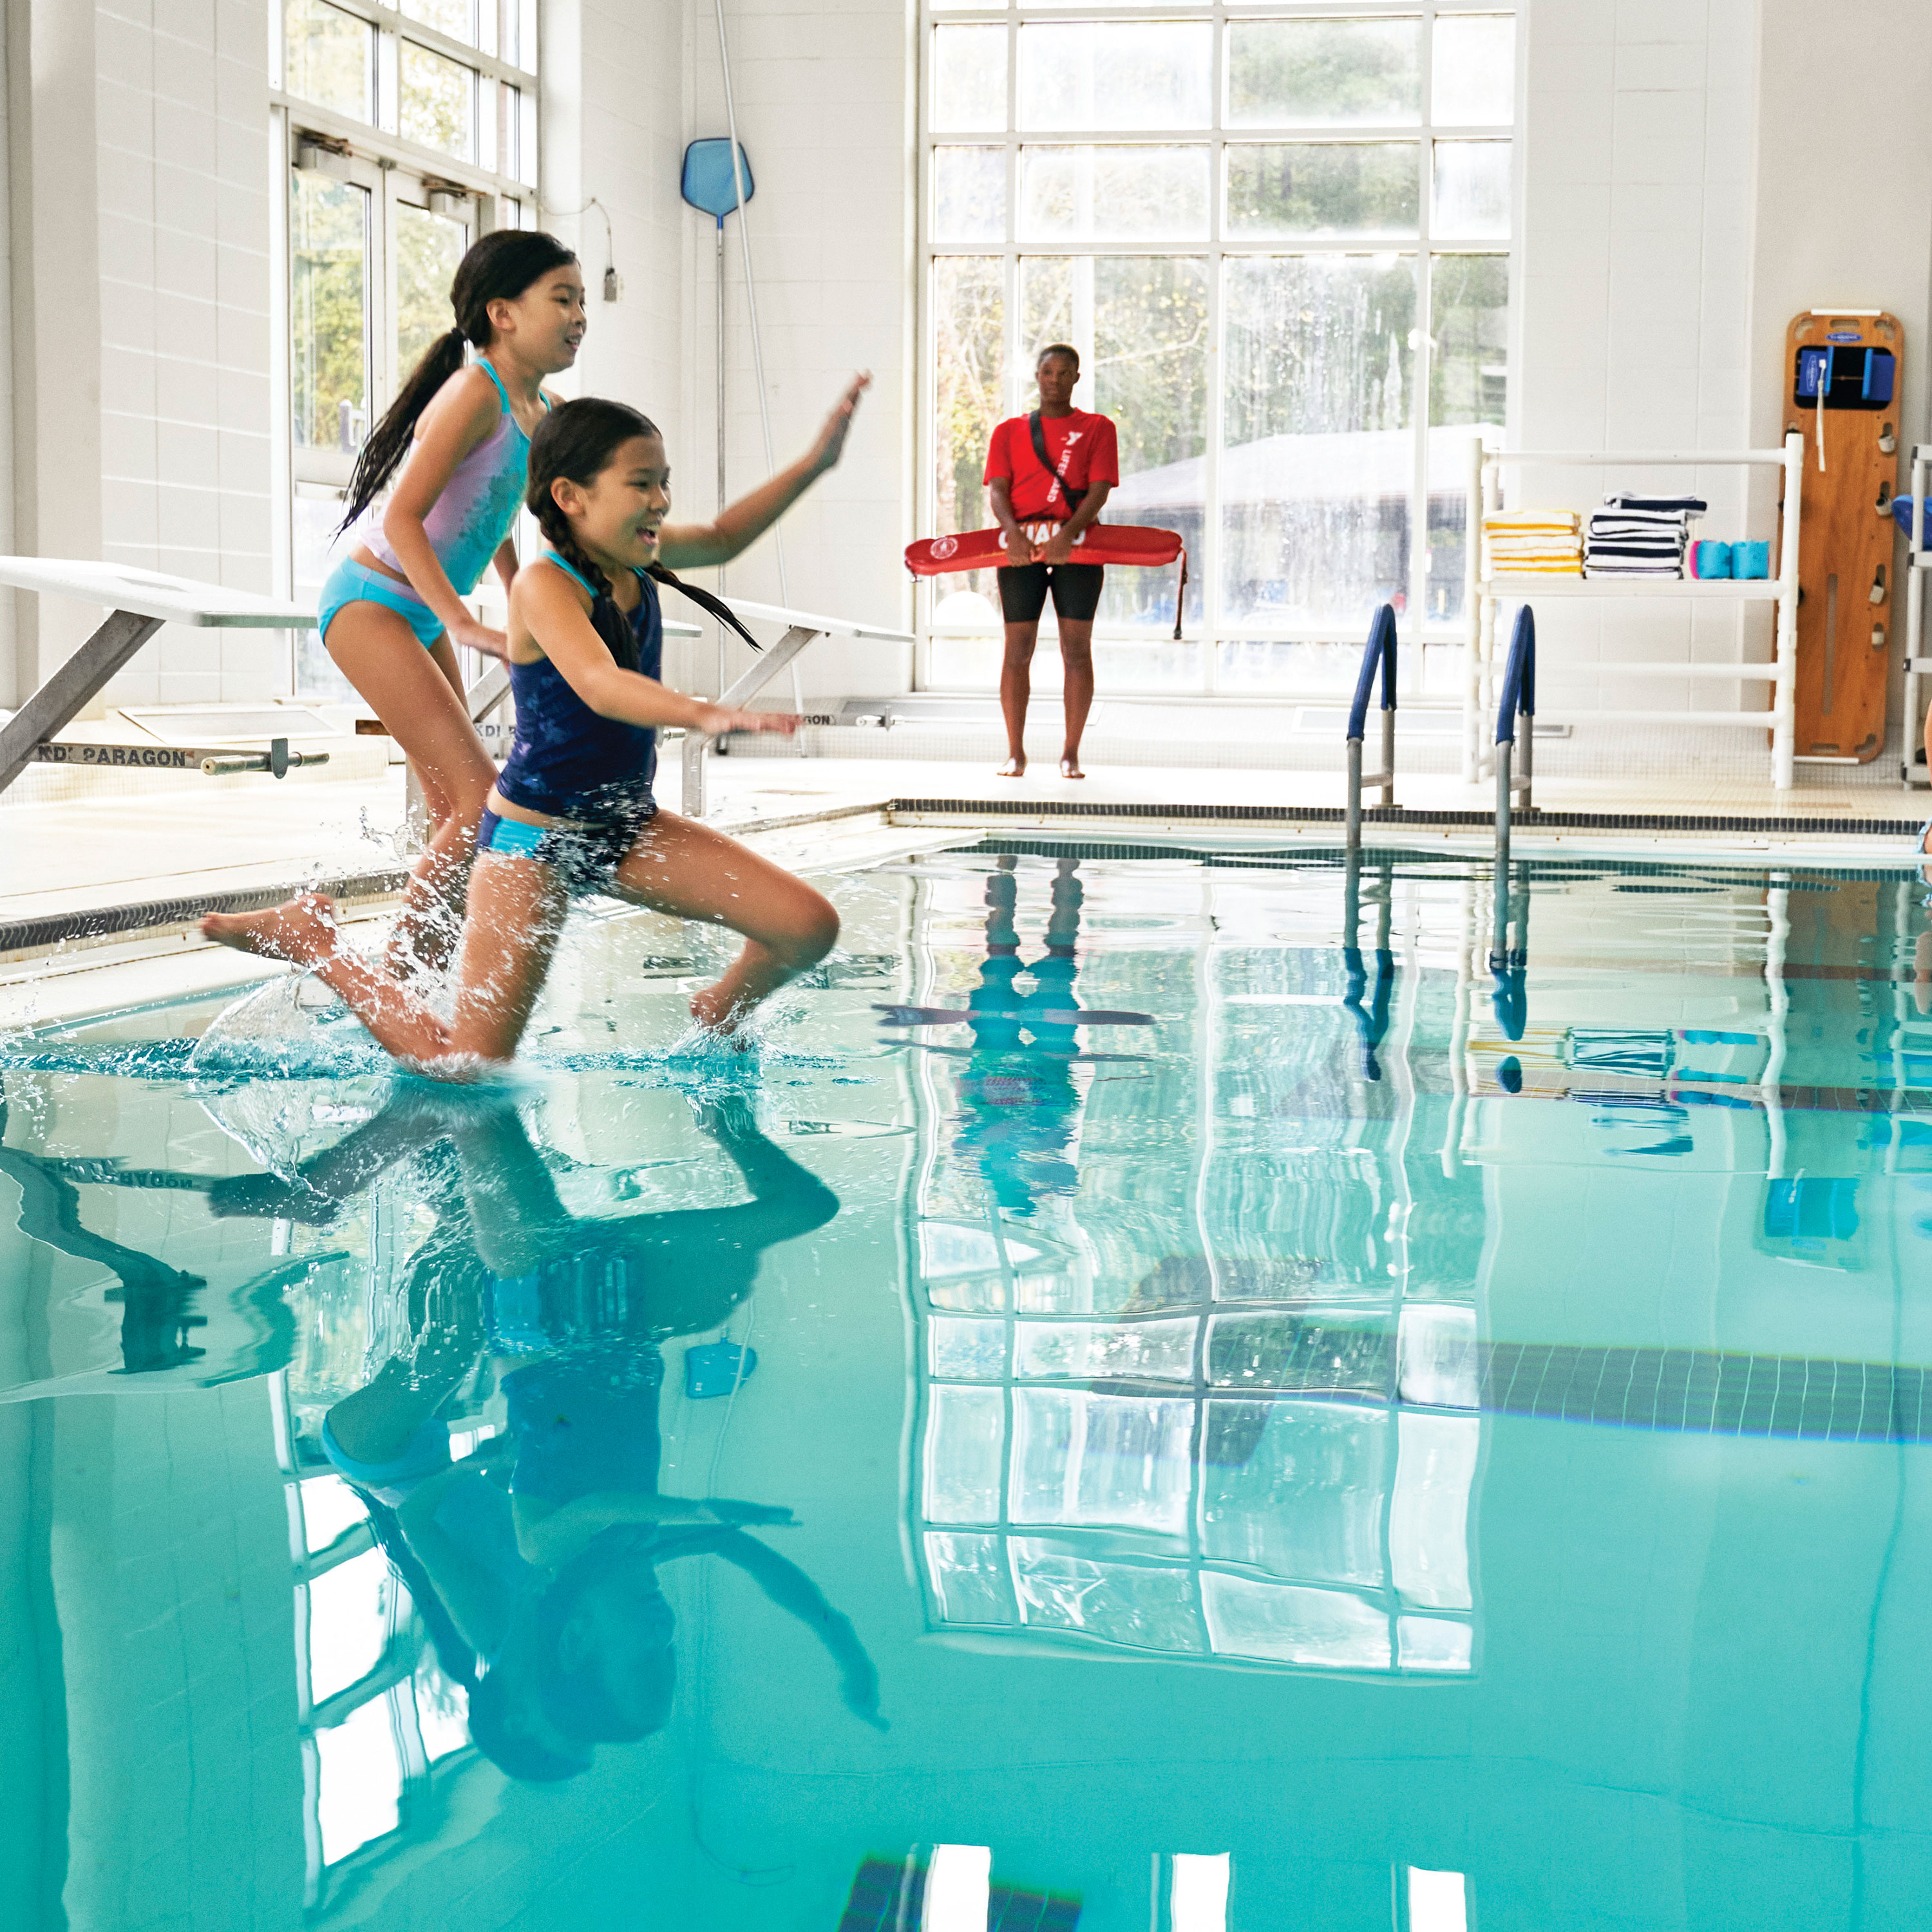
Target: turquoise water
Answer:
[[1121, 1410]]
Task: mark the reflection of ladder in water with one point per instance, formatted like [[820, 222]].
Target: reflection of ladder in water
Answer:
[[1478, 923], [1387, 1042]]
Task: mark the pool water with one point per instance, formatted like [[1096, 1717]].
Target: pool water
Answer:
[[1161, 1392]]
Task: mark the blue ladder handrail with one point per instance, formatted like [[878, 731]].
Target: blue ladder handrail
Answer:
[[1519, 693], [1379, 649]]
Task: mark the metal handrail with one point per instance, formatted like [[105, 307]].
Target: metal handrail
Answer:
[[1518, 700], [1380, 650]]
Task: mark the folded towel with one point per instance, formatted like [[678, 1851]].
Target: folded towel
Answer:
[[1635, 499]]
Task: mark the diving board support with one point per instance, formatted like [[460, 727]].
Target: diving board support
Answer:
[[767, 665], [71, 688], [801, 628], [139, 603]]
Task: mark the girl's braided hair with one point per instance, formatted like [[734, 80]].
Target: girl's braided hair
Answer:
[[499, 268], [575, 442]]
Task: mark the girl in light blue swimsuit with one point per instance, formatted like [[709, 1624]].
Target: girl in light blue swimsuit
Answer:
[[456, 443]]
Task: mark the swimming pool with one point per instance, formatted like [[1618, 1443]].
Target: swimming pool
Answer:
[[1204, 1424]]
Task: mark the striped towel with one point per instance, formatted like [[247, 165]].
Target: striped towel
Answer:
[[1639, 537], [1530, 543], [1631, 499]]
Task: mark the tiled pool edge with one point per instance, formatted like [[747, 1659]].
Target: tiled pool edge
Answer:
[[22, 939], [1441, 818]]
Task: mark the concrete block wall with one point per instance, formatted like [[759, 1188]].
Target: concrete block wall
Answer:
[[1634, 309], [824, 97], [184, 243]]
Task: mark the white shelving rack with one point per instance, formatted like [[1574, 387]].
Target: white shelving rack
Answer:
[[1917, 665], [1483, 594]]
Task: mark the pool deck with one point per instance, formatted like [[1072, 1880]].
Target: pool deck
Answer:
[[91, 884]]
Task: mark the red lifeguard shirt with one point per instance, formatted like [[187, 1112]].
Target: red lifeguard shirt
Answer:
[[1083, 450]]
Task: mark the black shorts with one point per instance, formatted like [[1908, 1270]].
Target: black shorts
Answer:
[[586, 856], [1076, 588]]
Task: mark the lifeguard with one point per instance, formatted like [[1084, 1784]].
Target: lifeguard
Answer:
[[1049, 474]]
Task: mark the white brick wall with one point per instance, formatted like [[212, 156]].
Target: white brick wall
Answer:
[[182, 139], [824, 94], [1635, 267]]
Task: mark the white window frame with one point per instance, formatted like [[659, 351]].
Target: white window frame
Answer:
[[1216, 249], [393, 170]]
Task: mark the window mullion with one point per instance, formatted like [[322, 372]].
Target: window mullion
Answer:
[[388, 83], [1208, 564], [1422, 373], [1010, 265]]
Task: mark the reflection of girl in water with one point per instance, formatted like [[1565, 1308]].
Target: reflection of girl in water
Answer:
[[542, 1553], [1021, 1102]]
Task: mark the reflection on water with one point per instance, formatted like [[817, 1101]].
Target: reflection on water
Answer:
[[532, 1561], [529, 1510], [1112, 1450]]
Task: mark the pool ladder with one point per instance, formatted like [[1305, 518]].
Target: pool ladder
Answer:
[[1515, 790], [1508, 963], [1380, 650]]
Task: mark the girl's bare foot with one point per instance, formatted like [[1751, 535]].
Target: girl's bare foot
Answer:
[[303, 931], [1070, 766], [718, 1011], [1014, 768]]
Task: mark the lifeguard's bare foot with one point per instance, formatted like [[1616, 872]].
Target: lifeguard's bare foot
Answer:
[[1014, 768], [1069, 767], [302, 931]]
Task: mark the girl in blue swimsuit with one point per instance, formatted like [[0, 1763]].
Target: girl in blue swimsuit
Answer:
[[572, 812]]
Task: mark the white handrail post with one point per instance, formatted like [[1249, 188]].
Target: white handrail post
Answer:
[[1352, 834], [1915, 613], [1784, 729], [1472, 598], [1777, 1008]]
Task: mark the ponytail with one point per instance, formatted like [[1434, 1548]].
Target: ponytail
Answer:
[[499, 267], [388, 443]]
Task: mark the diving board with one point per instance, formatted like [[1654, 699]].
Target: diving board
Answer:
[[139, 602]]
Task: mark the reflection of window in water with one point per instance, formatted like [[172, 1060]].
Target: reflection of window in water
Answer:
[[1258, 1482], [381, 1723], [1176, 1401]]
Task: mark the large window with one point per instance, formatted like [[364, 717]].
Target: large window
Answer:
[[409, 132], [1281, 241]]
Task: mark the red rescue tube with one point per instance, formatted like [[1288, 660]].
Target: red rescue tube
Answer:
[[1129, 545], [1119, 543]]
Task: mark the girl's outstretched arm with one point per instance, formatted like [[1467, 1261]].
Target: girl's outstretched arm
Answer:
[[465, 411], [691, 546], [554, 612]]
